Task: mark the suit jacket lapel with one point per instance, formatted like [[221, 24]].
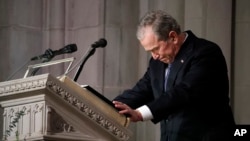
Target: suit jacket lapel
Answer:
[[162, 76], [179, 60]]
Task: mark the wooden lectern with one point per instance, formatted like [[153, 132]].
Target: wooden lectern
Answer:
[[57, 110]]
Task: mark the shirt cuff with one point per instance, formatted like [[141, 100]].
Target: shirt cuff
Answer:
[[145, 112]]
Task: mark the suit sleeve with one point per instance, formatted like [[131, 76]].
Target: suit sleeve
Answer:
[[140, 94]]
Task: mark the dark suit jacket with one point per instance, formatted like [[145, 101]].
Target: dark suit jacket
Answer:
[[195, 106]]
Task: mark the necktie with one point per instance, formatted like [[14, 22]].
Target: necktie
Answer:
[[166, 76]]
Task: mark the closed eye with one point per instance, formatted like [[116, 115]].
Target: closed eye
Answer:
[[154, 49]]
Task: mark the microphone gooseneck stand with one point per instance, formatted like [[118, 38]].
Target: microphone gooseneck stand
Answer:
[[79, 70], [33, 73], [100, 43], [48, 55]]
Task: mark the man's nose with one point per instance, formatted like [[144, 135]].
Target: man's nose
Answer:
[[155, 55]]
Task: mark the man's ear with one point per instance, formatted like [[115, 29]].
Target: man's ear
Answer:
[[173, 36]]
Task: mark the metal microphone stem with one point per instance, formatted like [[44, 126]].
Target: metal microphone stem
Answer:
[[33, 73], [79, 70]]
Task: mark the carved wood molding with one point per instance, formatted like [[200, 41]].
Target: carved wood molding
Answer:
[[88, 111], [22, 86]]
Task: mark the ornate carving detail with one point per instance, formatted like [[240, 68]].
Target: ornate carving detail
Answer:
[[85, 109], [22, 86], [38, 108], [58, 124], [11, 113]]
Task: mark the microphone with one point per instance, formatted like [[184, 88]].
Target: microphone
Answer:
[[100, 43], [50, 53]]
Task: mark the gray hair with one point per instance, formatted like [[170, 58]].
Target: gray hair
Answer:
[[161, 22]]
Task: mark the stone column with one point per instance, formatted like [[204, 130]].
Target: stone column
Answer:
[[241, 50]]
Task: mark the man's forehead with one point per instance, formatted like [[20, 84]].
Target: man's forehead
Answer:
[[149, 41]]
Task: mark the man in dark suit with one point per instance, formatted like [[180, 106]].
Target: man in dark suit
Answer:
[[185, 87]]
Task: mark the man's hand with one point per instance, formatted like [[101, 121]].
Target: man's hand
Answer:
[[125, 109]]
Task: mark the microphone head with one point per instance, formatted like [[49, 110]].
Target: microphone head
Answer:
[[69, 48], [100, 43]]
